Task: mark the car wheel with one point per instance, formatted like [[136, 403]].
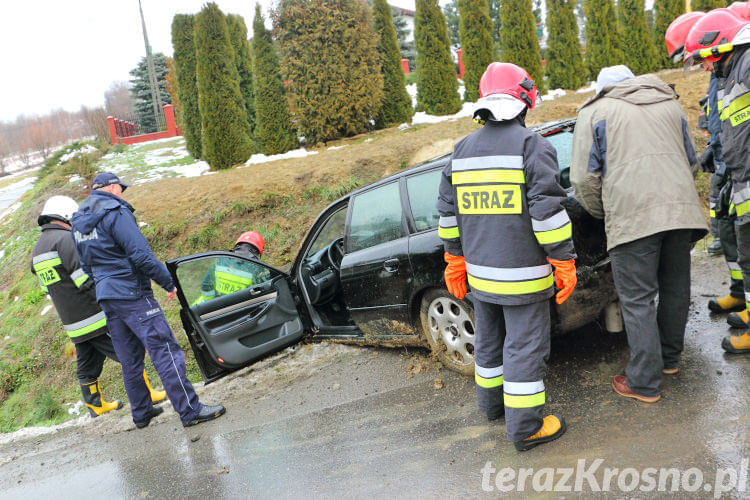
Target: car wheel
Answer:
[[448, 325]]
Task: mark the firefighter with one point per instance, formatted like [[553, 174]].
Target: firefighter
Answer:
[[110, 244], [503, 224], [55, 263], [720, 40], [229, 275]]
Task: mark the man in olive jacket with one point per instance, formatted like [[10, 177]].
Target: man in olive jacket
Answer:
[[632, 166]]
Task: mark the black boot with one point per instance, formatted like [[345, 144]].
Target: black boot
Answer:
[[155, 412], [207, 413]]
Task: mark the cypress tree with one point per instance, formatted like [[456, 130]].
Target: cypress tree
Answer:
[[273, 125], [187, 90], [665, 11], [601, 36], [223, 117], [476, 43], [396, 107], [519, 41], [329, 56], [437, 85], [564, 60], [637, 46], [706, 5], [243, 59]]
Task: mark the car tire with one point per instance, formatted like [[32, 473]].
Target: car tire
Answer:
[[448, 327]]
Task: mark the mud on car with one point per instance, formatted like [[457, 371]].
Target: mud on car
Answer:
[[370, 271]]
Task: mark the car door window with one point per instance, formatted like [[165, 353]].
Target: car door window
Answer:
[[206, 279], [423, 192], [376, 218], [563, 143]]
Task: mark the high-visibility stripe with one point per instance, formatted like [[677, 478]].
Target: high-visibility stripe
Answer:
[[509, 273], [79, 277], [712, 213], [556, 235], [488, 176], [45, 256], [514, 162], [747, 296], [488, 372], [512, 287], [737, 104], [235, 272], [488, 383], [448, 221], [448, 233], [742, 208], [524, 394], [87, 325], [735, 274], [44, 267], [556, 221], [46, 264]]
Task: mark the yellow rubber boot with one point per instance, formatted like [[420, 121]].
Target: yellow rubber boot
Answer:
[[92, 398], [737, 344], [553, 426], [156, 396], [738, 319], [726, 304]]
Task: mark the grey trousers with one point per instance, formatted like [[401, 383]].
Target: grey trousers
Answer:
[[728, 237], [655, 265], [511, 347], [717, 181]]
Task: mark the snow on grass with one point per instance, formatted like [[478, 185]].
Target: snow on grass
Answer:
[[337, 147], [591, 88], [553, 94], [2, 254], [261, 158], [45, 310], [10, 210], [88, 148], [421, 117]]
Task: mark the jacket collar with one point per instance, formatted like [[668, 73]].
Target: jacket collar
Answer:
[[52, 225], [105, 196]]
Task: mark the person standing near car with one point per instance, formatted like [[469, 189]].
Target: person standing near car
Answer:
[[55, 263], [503, 224], [631, 166], [115, 253], [721, 40]]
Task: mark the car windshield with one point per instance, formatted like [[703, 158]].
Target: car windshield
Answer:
[[563, 143]]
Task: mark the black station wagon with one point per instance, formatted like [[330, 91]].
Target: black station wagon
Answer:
[[370, 270]]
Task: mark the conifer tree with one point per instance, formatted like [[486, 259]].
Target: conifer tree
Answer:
[[706, 5], [476, 43], [402, 33], [396, 107], [329, 56], [637, 46], [140, 90], [223, 117], [243, 59], [274, 130], [520, 44], [602, 48], [437, 85], [187, 90], [564, 60], [495, 16], [450, 11], [665, 11]]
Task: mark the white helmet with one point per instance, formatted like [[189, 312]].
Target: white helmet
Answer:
[[59, 208]]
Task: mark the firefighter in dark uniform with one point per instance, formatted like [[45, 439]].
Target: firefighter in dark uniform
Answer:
[[503, 224], [721, 39], [55, 263]]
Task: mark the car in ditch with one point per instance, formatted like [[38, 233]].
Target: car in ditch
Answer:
[[370, 271]]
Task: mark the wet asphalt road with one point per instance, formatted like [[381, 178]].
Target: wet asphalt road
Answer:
[[365, 422]]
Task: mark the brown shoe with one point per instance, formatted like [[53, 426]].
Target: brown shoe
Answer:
[[670, 371], [619, 384]]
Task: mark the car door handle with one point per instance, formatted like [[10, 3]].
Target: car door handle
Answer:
[[391, 265]]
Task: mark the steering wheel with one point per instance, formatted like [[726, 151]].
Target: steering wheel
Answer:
[[336, 253]]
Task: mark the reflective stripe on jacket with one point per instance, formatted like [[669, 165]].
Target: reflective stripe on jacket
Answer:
[[55, 262], [500, 206]]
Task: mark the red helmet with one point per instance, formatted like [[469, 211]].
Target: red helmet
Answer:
[[715, 31], [678, 30], [741, 10], [509, 79], [254, 238]]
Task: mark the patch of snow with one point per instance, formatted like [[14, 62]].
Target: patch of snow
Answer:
[[553, 94], [88, 148], [75, 408], [590, 88], [337, 147], [75, 178], [15, 299], [7, 337], [160, 156], [2, 254], [369, 139], [295, 153], [141, 224], [10, 210], [403, 126], [45, 310], [157, 141], [466, 110], [192, 170]]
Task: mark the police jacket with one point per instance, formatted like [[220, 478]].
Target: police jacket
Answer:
[[500, 206], [631, 162], [113, 250], [55, 263], [714, 123], [735, 128]]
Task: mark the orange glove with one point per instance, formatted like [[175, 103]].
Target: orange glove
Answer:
[[565, 278], [455, 275]]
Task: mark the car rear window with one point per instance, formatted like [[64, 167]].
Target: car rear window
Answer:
[[423, 189], [376, 218]]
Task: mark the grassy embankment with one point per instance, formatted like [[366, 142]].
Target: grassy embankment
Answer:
[[189, 215]]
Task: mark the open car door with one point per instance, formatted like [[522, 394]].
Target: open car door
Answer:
[[235, 310]]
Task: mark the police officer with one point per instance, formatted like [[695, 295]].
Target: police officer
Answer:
[[55, 263], [503, 224], [114, 252], [720, 40]]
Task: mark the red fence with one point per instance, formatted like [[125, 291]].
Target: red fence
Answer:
[[121, 131]]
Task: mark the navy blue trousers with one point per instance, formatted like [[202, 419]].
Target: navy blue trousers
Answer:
[[137, 325]]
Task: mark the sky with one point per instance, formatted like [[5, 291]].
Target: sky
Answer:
[[64, 54]]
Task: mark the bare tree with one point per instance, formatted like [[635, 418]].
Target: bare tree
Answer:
[[117, 100], [95, 122]]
